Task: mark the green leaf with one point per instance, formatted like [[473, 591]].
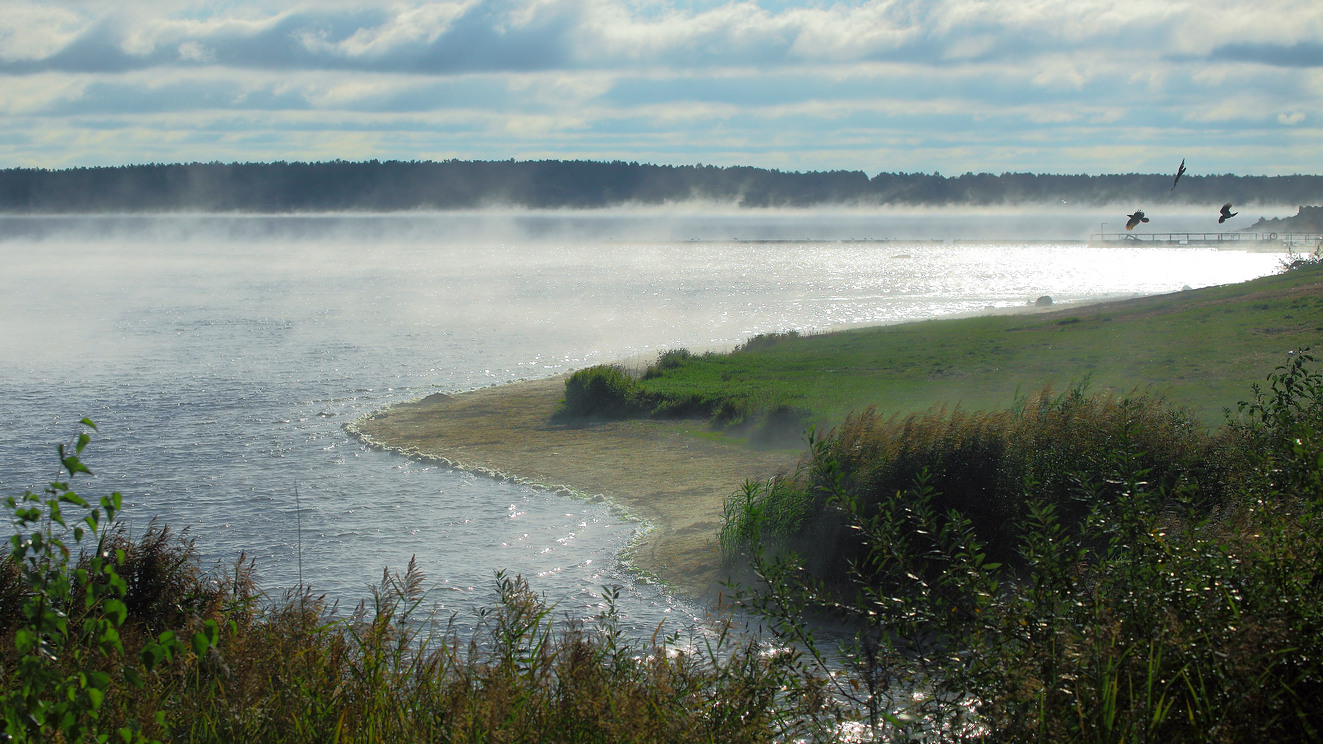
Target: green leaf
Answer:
[[153, 654], [74, 465], [96, 696], [200, 644], [25, 639], [117, 610], [88, 422], [110, 638], [83, 439], [133, 678]]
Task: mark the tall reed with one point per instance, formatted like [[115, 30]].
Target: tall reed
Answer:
[[1141, 599], [174, 652]]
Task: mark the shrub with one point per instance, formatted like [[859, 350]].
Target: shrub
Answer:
[[603, 391], [69, 668], [991, 465], [1308, 260], [671, 359], [767, 340], [1161, 611]]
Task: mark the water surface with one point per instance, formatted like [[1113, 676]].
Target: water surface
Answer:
[[221, 356]]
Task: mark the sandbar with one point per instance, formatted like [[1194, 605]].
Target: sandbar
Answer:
[[663, 472]]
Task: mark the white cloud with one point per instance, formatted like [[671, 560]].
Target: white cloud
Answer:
[[1059, 73], [785, 80], [36, 93], [410, 26], [192, 51], [29, 31]]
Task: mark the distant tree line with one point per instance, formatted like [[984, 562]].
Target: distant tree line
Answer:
[[454, 184]]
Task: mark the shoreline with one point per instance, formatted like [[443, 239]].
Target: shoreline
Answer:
[[661, 473], [664, 474], [674, 476]]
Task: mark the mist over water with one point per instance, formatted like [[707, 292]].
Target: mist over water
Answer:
[[220, 357]]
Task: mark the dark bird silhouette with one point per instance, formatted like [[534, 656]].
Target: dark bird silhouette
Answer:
[[1135, 219], [1226, 213], [1179, 172]]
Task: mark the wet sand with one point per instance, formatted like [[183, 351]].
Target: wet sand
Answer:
[[663, 472]]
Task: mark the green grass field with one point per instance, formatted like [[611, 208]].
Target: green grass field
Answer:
[[1200, 348]]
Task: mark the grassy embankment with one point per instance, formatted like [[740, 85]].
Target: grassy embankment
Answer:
[[1198, 347], [1097, 564]]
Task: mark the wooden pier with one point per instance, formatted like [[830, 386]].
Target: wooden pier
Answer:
[[1240, 240]]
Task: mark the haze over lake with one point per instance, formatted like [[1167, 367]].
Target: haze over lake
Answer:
[[221, 356]]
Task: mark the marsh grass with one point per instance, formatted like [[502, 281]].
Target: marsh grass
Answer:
[[295, 669], [990, 465], [1157, 583]]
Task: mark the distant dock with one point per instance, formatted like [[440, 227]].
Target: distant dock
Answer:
[[1237, 240]]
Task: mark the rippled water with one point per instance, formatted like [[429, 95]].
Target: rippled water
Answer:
[[221, 356]]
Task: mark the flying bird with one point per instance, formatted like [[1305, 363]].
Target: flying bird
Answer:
[[1135, 219], [1226, 213], [1179, 172]]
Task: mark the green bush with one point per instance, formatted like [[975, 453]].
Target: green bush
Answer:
[[66, 673], [767, 340], [671, 359], [603, 391], [1152, 604], [991, 465]]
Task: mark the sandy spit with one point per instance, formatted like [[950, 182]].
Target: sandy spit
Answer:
[[657, 471]]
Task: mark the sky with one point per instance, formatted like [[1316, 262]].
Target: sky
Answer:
[[949, 86]]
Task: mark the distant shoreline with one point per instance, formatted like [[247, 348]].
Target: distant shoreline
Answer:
[[582, 184]]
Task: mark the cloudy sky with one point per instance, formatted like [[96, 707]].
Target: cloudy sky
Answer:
[[1054, 86]]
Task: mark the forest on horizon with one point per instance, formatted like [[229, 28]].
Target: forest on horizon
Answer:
[[454, 184]]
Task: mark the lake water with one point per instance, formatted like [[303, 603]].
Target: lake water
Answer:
[[221, 356]]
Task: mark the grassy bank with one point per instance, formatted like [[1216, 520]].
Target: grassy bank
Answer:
[[1131, 558], [1197, 347]]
